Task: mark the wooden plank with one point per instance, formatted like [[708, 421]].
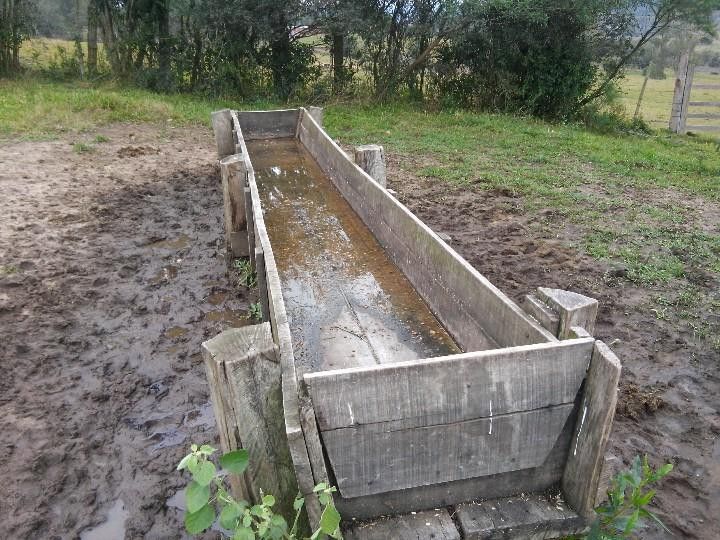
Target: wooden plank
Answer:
[[435, 524], [262, 283], [702, 128], [487, 310], [244, 374], [378, 458], [451, 388], [573, 309], [542, 313], [232, 172], [704, 103], [583, 470], [527, 517], [268, 124], [706, 116], [703, 86], [707, 69], [537, 479]]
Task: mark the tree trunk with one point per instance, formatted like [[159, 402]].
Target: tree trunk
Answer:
[[92, 44], [164, 44], [640, 98], [338, 58]]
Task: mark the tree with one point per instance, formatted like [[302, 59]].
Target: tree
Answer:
[[15, 27]]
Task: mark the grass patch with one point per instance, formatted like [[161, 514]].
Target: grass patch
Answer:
[[8, 269], [82, 148]]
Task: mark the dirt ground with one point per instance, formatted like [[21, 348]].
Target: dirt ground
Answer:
[[112, 274], [669, 402]]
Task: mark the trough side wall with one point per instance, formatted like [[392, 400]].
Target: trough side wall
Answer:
[[470, 307]]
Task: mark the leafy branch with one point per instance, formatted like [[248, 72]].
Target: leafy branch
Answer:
[[207, 499]]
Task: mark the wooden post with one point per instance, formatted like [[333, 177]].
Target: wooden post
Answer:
[[583, 470], [558, 311], [223, 128], [371, 159], [679, 97], [233, 172], [686, 97], [244, 373], [317, 113]]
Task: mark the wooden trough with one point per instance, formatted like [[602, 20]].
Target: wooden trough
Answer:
[[508, 434]]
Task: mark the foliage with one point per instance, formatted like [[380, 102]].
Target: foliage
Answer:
[[628, 498], [246, 275], [208, 498], [16, 20], [256, 311]]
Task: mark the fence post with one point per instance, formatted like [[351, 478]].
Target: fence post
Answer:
[[371, 159], [681, 96], [222, 126], [232, 172]]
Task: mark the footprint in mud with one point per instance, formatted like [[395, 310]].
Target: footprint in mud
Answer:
[[113, 528]]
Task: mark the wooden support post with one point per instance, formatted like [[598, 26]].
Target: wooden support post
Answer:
[[571, 309], [679, 97], [262, 283], [233, 172], [582, 474], [371, 159], [686, 97], [318, 114], [244, 373], [223, 128], [250, 227]]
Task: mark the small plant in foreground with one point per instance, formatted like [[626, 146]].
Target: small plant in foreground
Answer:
[[239, 519], [256, 311], [101, 139], [628, 498], [82, 148], [246, 276]]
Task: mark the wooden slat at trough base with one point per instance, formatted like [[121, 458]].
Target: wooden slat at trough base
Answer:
[[525, 407]]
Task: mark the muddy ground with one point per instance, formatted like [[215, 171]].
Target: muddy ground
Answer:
[[112, 274]]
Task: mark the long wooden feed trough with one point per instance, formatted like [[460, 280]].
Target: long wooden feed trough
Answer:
[[408, 380]]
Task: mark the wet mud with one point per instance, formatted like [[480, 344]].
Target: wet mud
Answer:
[[347, 303], [111, 276]]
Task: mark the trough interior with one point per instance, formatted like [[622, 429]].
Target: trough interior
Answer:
[[348, 304]]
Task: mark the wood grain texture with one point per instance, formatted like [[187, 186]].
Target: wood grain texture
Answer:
[[542, 313], [528, 517], [538, 479], [572, 308], [584, 467], [451, 388], [232, 172], [245, 380], [371, 459], [433, 524], [223, 130], [371, 159], [268, 124]]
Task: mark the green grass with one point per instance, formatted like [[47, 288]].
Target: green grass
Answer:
[[37, 109]]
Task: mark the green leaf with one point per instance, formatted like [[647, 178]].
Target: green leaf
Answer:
[[204, 474], [322, 486], [235, 462], [244, 533], [196, 496], [632, 521], [184, 462], [247, 520], [207, 450], [268, 500], [257, 510], [277, 528], [330, 520], [664, 470], [229, 515], [197, 522], [645, 499], [298, 503]]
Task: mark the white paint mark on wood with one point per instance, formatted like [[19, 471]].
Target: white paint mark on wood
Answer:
[[582, 422], [491, 419]]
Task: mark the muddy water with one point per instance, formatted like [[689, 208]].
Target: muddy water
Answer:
[[348, 304]]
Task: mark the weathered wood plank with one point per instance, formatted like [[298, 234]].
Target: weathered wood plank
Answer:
[[223, 129], [262, 283], [435, 524], [232, 172], [528, 517], [244, 374], [573, 309], [702, 86], [488, 310], [371, 159], [707, 69], [583, 470], [268, 124], [538, 479], [376, 458], [452, 388], [704, 103], [542, 313], [702, 128], [706, 116]]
